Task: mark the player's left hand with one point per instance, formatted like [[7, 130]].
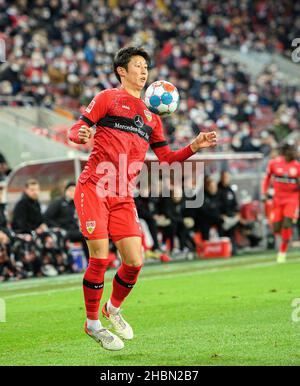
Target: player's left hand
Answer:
[[84, 134], [204, 140]]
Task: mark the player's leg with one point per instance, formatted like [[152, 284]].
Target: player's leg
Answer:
[[131, 253], [286, 236], [277, 226], [94, 229], [277, 220], [93, 280], [130, 249], [290, 214], [125, 230], [93, 284]]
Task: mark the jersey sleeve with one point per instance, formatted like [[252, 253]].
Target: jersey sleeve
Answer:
[[96, 110], [161, 148]]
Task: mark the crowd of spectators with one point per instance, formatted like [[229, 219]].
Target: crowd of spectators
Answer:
[[59, 52], [35, 243], [219, 216]]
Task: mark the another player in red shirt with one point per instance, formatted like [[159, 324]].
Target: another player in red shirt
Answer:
[[124, 129], [284, 171]]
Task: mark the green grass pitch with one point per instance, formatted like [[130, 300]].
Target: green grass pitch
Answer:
[[221, 312]]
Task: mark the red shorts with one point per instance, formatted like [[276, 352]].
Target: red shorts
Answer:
[[105, 217], [288, 209]]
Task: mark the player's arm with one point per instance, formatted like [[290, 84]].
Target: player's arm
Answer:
[[266, 181], [82, 130], [163, 152]]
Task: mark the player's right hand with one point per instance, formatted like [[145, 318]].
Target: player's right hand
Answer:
[[84, 134]]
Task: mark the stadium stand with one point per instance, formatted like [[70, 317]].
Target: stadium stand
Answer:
[[59, 55]]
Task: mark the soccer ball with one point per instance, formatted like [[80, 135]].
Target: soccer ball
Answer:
[[162, 98]]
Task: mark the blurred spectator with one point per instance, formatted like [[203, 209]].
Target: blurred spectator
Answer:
[[229, 209], [146, 208], [227, 196], [172, 208], [7, 269], [27, 214], [4, 168], [39, 249], [27, 218], [210, 214], [61, 217], [3, 220]]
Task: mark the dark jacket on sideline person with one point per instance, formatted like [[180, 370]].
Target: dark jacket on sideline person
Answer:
[[61, 213], [27, 215], [228, 199], [3, 221]]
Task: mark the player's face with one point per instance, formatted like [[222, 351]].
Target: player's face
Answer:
[[70, 193], [225, 178], [212, 187], [33, 191], [137, 72], [290, 154]]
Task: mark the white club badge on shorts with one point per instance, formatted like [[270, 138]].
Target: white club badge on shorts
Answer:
[[90, 226]]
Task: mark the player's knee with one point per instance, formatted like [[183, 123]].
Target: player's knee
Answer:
[[277, 227], [287, 223], [134, 262], [98, 254], [98, 249]]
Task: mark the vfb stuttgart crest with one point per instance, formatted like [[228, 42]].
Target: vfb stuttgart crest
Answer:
[[90, 226], [148, 115]]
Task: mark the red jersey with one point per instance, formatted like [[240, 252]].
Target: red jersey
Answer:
[[285, 177], [124, 126]]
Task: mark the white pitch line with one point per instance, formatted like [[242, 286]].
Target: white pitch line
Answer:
[[158, 277], [34, 283], [49, 292], [11, 286]]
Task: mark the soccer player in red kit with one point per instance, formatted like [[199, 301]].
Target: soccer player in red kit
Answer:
[[284, 171], [124, 129]]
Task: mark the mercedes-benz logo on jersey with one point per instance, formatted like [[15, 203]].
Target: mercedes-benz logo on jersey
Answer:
[[138, 121]]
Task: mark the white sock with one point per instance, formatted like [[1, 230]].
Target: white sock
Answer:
[[112, 309], [94, 324]]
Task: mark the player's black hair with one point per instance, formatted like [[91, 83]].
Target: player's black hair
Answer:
[[123, 56], [288, 150], [69, 184]]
